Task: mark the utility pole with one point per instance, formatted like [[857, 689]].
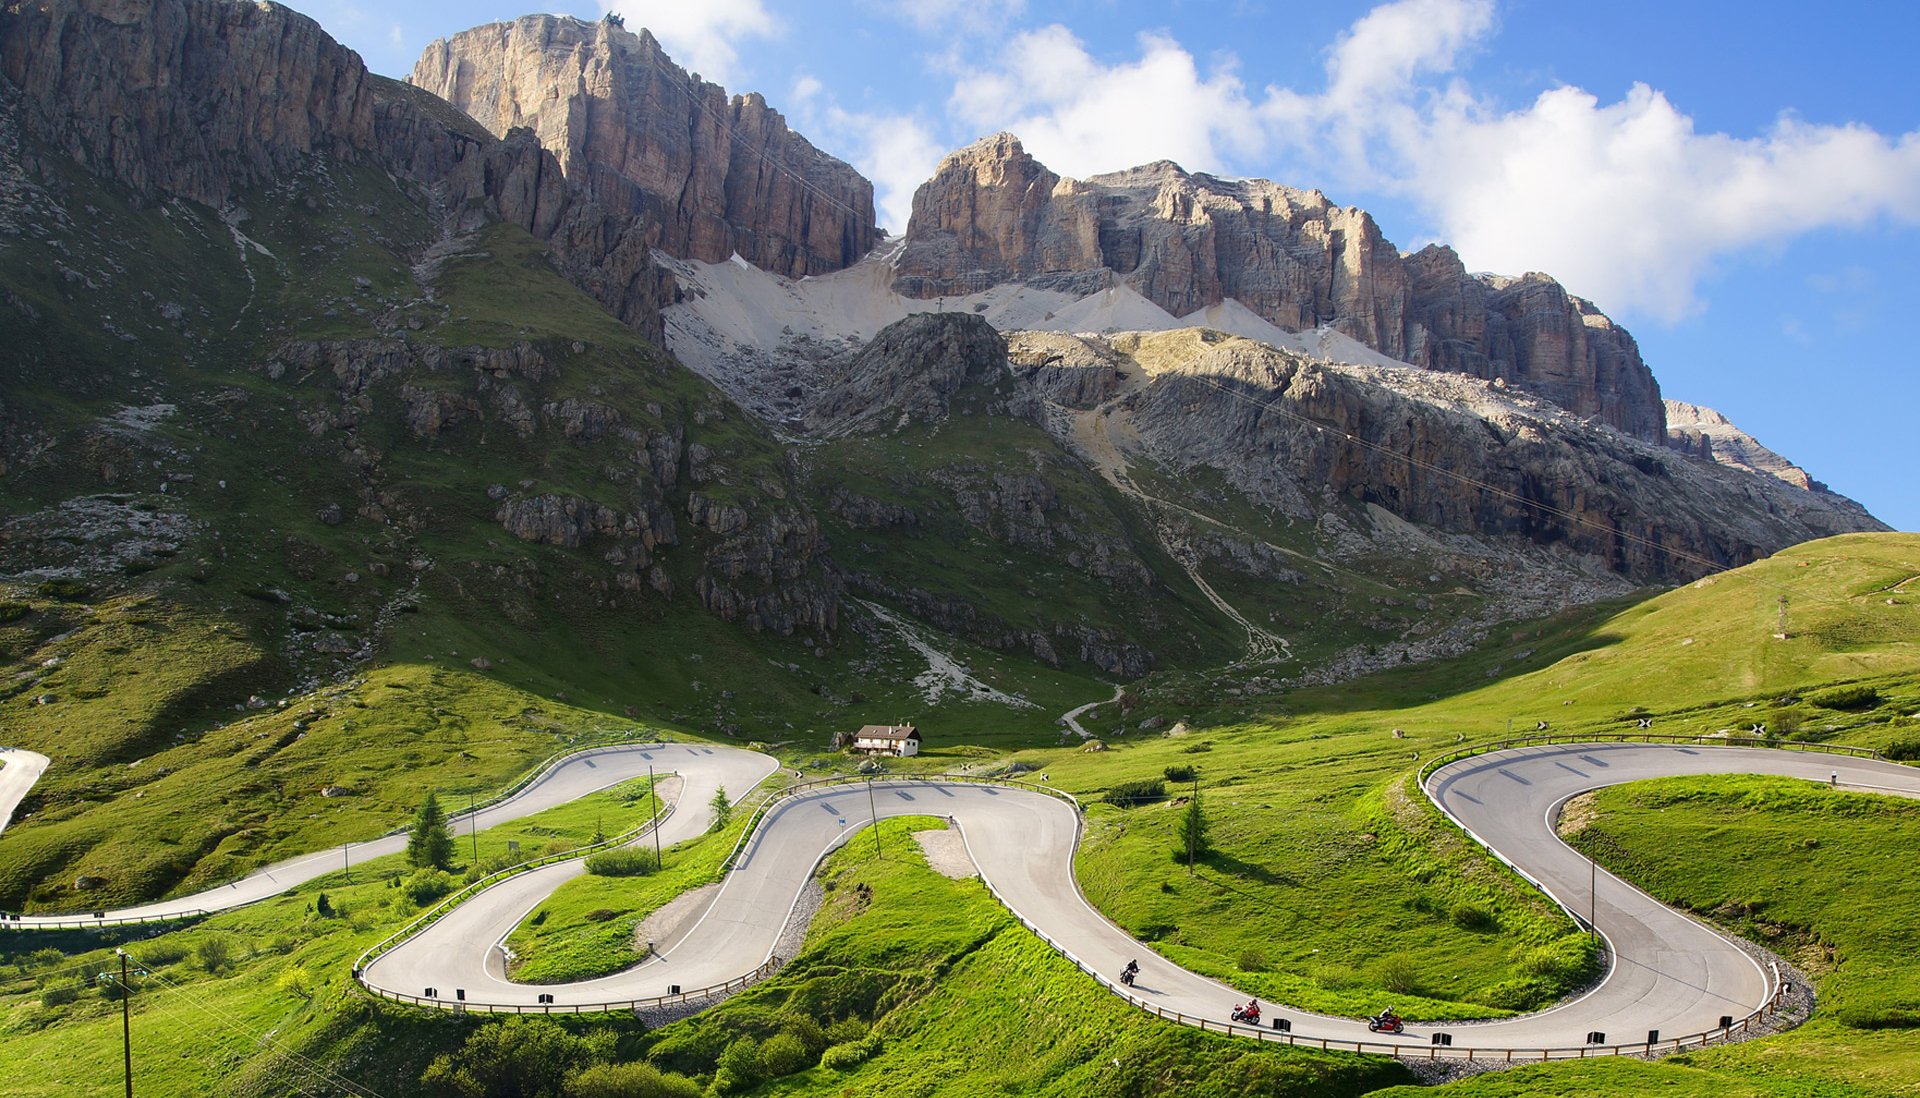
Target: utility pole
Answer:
[[126, 1015], [873, 808], [473, 824], [346, 865], [659, 860]]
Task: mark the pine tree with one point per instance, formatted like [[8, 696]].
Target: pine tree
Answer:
[[1193, 829], [429, 843], [722, 809]]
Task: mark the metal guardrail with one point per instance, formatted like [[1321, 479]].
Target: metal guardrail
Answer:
[[774, 797], [84, 922], [435, 913], [1702, 739], [766, 969], [538, 771]]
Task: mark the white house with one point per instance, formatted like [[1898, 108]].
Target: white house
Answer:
[[887, 739]]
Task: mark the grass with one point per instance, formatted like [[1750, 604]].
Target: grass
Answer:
[[1819, 876], [585, 929], [935, 974]]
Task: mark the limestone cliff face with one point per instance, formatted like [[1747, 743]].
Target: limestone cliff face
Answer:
[[1452, 454], [993, 214], [638, 135], [186, 97]]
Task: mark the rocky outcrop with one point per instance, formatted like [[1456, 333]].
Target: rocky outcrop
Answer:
[[1458, 455], [710, 176], [910, 373], [1705, 433], [994, 214], [202, 98], [185, 97]]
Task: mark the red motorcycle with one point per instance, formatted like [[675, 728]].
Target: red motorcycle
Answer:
[[1387, 1022], [1249, 1014]]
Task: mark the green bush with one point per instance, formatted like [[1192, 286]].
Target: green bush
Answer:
[[427, 885], [624, 861], [214, 953], [783, 1054], [1473, 917], [1902, 750], [1857, 696], [1129, 794], [1254, 960], [850, 1054], [14, 611], [62, 993], [635, 1080], [808, 1032], [739, 1066], [1179, 773]]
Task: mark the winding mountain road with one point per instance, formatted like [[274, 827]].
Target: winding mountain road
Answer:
[[1667, 972]]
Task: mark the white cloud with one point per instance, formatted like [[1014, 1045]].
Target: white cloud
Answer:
[[1081, 117], [947, 16], [1626, 202], [896, 151], [699, 34]]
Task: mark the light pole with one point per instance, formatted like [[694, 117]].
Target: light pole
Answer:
[[473, 824], [659, 860], [873, 808], [1593, 896]]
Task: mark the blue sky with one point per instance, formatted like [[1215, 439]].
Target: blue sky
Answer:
[[1738, 183]]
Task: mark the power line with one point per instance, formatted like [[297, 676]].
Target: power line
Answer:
[[288, 1052]]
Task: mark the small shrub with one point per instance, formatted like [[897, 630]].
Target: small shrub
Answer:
[[1198, 748], [1400, 975], [214, 953], [1857, 696], [296, 981], [600, 915], [634, 1080], [322, 906], [64, 589], [807, 1032], [739, 1066], [1253, 960], [1130, 794], [62, 993], [846, 1029], [1902, 750], [427, 885], [163, 952], [1473, 917], [783, 1054], [850, 1055], [625, 861], [1179, 773], [13, 611]]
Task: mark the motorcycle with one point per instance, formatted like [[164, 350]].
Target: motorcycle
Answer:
[[1127, 975], [1249, 1014], [1387, 1022]]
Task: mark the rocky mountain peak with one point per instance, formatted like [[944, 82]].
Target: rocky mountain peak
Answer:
[[185, 97], [1187, 242], [637, 134]]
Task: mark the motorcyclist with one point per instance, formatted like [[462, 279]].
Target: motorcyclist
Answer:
[[1128, 973], [1249, 1013]]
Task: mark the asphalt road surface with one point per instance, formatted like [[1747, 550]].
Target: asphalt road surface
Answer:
[[1668, 972]]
